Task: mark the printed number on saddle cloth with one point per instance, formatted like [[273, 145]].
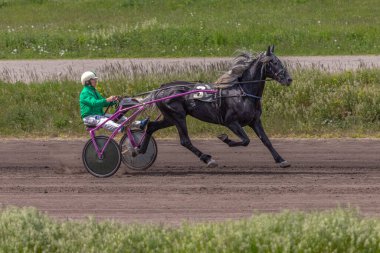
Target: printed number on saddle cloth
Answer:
[[200, 94]]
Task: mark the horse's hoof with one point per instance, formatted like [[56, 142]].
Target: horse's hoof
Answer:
[[223, 137], [212, 164], [284, 164]]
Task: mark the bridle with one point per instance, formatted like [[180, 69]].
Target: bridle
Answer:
[[267, 61]]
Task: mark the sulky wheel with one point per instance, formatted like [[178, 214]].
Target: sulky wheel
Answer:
[[108, 164], [138, 161]]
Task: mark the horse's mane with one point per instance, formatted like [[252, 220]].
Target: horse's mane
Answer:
[[239, 64]]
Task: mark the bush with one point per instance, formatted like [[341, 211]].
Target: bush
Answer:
[[318, 104], [28, 230]]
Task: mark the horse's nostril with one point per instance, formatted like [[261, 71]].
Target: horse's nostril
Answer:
[[290, 80]]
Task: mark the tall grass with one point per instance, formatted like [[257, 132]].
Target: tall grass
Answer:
[[167, 28], [345, 104], [27, 230]]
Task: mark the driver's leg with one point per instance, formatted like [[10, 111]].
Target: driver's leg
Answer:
[[109, 125], [135, 124]]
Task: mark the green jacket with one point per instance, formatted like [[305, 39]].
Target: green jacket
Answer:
[[91, 102]]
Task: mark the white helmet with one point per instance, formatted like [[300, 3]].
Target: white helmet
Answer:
[[87, 76]]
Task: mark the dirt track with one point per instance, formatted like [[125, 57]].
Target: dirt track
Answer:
[[324, 174]]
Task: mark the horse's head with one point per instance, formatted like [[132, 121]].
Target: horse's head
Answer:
[[274, 68]]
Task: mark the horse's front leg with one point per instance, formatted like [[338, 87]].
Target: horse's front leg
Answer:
[[236, 128], [259, 130]]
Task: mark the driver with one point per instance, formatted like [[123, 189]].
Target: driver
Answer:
[[92, 103]]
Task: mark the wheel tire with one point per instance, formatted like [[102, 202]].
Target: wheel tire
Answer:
[[110, 162], [140, 161]]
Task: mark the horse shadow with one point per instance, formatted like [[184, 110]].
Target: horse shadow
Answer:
[[267, 171]]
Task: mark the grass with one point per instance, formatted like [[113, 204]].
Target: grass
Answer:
[[32, 29], [28, 230], [317, 104]]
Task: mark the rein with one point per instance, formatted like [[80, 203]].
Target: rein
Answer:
[[243, 82], [244, 94], [160, 89]]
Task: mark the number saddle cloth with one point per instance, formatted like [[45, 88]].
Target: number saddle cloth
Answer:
[[221, 91]]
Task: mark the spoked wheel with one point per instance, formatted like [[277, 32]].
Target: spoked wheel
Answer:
[[137, 161], [108, 164]]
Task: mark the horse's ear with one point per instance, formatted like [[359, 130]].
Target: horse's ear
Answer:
[[272, 49], [268, 51]]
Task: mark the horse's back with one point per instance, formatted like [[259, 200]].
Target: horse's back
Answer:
[[178, 83]]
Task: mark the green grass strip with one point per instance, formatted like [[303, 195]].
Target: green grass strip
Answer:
[[317, 104], [339, 230], [171, 28]]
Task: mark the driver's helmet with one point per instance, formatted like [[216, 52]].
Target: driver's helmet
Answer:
[[87, 76]]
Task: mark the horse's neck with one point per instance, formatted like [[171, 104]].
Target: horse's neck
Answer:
[[255, 88]]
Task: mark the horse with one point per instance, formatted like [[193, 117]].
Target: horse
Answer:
[[236, 105]]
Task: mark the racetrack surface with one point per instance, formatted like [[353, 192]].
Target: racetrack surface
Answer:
[[325, 173]]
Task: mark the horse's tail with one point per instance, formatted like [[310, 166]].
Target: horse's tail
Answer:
[[147, 98]]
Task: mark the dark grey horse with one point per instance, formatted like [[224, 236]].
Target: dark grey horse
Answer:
[[236, 105]]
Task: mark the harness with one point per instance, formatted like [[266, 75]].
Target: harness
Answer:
[[227, 93]]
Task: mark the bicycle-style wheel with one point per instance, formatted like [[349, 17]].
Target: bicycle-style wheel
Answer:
[[108, 164], [138, 161]]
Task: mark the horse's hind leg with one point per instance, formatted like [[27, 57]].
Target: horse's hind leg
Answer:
[[259, 130], [153, 126], [239, 131], [179, 120]]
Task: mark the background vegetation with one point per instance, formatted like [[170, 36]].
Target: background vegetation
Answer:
[[171, 28], [317, 104], [27, 230]]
